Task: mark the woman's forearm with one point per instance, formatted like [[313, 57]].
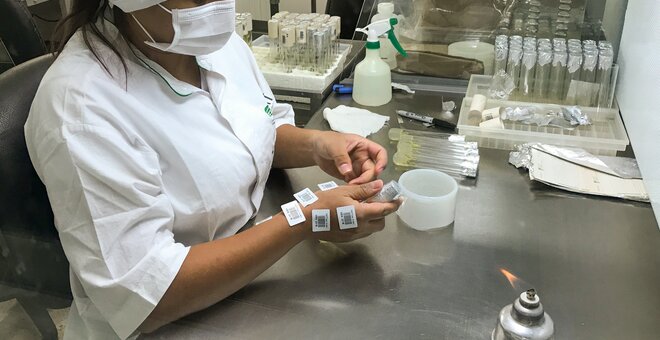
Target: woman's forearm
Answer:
[[214, 270], [294, 147]]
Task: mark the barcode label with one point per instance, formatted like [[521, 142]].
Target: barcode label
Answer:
[[390, 192], [264, 220], [320, 220], [328, 186], [306, 197], [293, 213], [347, 217]]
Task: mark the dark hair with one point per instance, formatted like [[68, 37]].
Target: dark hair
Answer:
[[84, 16]]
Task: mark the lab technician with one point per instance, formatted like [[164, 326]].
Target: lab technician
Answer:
[[154, 133]]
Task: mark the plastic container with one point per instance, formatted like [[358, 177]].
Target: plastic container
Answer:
[[480, 84], [298, 79], [474, 49], [430, 199], [606, 136]]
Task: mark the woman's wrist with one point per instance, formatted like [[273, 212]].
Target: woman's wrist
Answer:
[[299, 232]]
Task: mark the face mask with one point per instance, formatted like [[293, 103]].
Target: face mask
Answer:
[[198, 30]]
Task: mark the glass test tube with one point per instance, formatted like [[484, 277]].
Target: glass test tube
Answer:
[[542, 73], [248, 18], [318, 41], [588, 91], [573, 73], [301, 44], [604, 76], [288, 43], [337, 31], [513, 64], [327, 45], [527, 69], [557, 75], [501, 52], [273, 35]]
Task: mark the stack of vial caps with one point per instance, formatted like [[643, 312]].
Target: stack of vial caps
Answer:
[[557, 71], [244, 26], [304, 41]]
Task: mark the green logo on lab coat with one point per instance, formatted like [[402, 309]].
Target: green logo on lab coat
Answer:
[[268, 110]]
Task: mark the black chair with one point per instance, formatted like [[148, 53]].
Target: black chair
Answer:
[[18, 32], [33, 267]]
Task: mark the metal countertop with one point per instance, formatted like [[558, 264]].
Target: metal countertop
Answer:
[[594, 261]]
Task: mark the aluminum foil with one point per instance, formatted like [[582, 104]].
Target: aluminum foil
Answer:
[[515, 55], [559, 58], [529, 59], [622, 167], [565, 118], [575, 116], [574, 61], [544, 57], [590, 60], [501, 86], [605, 60]]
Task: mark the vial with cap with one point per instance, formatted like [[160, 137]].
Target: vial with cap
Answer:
[[390, 192]]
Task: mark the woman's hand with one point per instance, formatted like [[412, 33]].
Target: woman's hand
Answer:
[[352, 158], [370, 216]]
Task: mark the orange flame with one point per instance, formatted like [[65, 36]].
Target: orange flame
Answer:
[[512, 278]]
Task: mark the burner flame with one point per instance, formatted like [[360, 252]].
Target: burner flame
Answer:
[[513, 280]]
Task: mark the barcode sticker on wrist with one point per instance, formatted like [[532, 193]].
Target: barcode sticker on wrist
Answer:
[[347, 218], [293, 213], [306, 197], [320, 220], [328, 186]]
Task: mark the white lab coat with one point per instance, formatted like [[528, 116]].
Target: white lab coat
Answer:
[[140, 167]]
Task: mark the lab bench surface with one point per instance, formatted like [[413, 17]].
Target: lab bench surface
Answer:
[[594, 261]]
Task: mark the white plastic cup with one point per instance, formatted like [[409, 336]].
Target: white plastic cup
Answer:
[[430, 199]]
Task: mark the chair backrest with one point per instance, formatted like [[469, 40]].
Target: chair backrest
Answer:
[[23, 200], [32, 255], [18, 31]]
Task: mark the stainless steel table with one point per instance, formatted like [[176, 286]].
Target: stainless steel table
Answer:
[[594, 261]]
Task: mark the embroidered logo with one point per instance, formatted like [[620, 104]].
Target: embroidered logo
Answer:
[[269, 106]]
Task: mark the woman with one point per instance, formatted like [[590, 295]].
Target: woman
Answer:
[[154, 136]]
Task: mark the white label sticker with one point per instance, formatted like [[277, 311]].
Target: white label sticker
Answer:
[[306, 197], [328, 186], [347, 217], [293, 213], [320, 220], [456, 138], [264, 220]]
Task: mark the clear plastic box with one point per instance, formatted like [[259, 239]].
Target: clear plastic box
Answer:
[[480, 84], [606, 136]]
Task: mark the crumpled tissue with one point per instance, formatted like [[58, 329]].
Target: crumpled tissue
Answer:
[[348, 119]]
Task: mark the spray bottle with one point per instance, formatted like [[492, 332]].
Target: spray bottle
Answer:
[[373, 80], [387, 51]]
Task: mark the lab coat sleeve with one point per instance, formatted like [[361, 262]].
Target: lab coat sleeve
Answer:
[[283, 115], [114, 220]]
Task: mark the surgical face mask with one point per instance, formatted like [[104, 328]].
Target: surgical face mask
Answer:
[[198, 30]]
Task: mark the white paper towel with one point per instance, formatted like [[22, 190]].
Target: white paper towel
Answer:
[[348, 119]]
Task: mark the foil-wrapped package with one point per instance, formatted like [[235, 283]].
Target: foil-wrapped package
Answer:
[[565, 117]]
